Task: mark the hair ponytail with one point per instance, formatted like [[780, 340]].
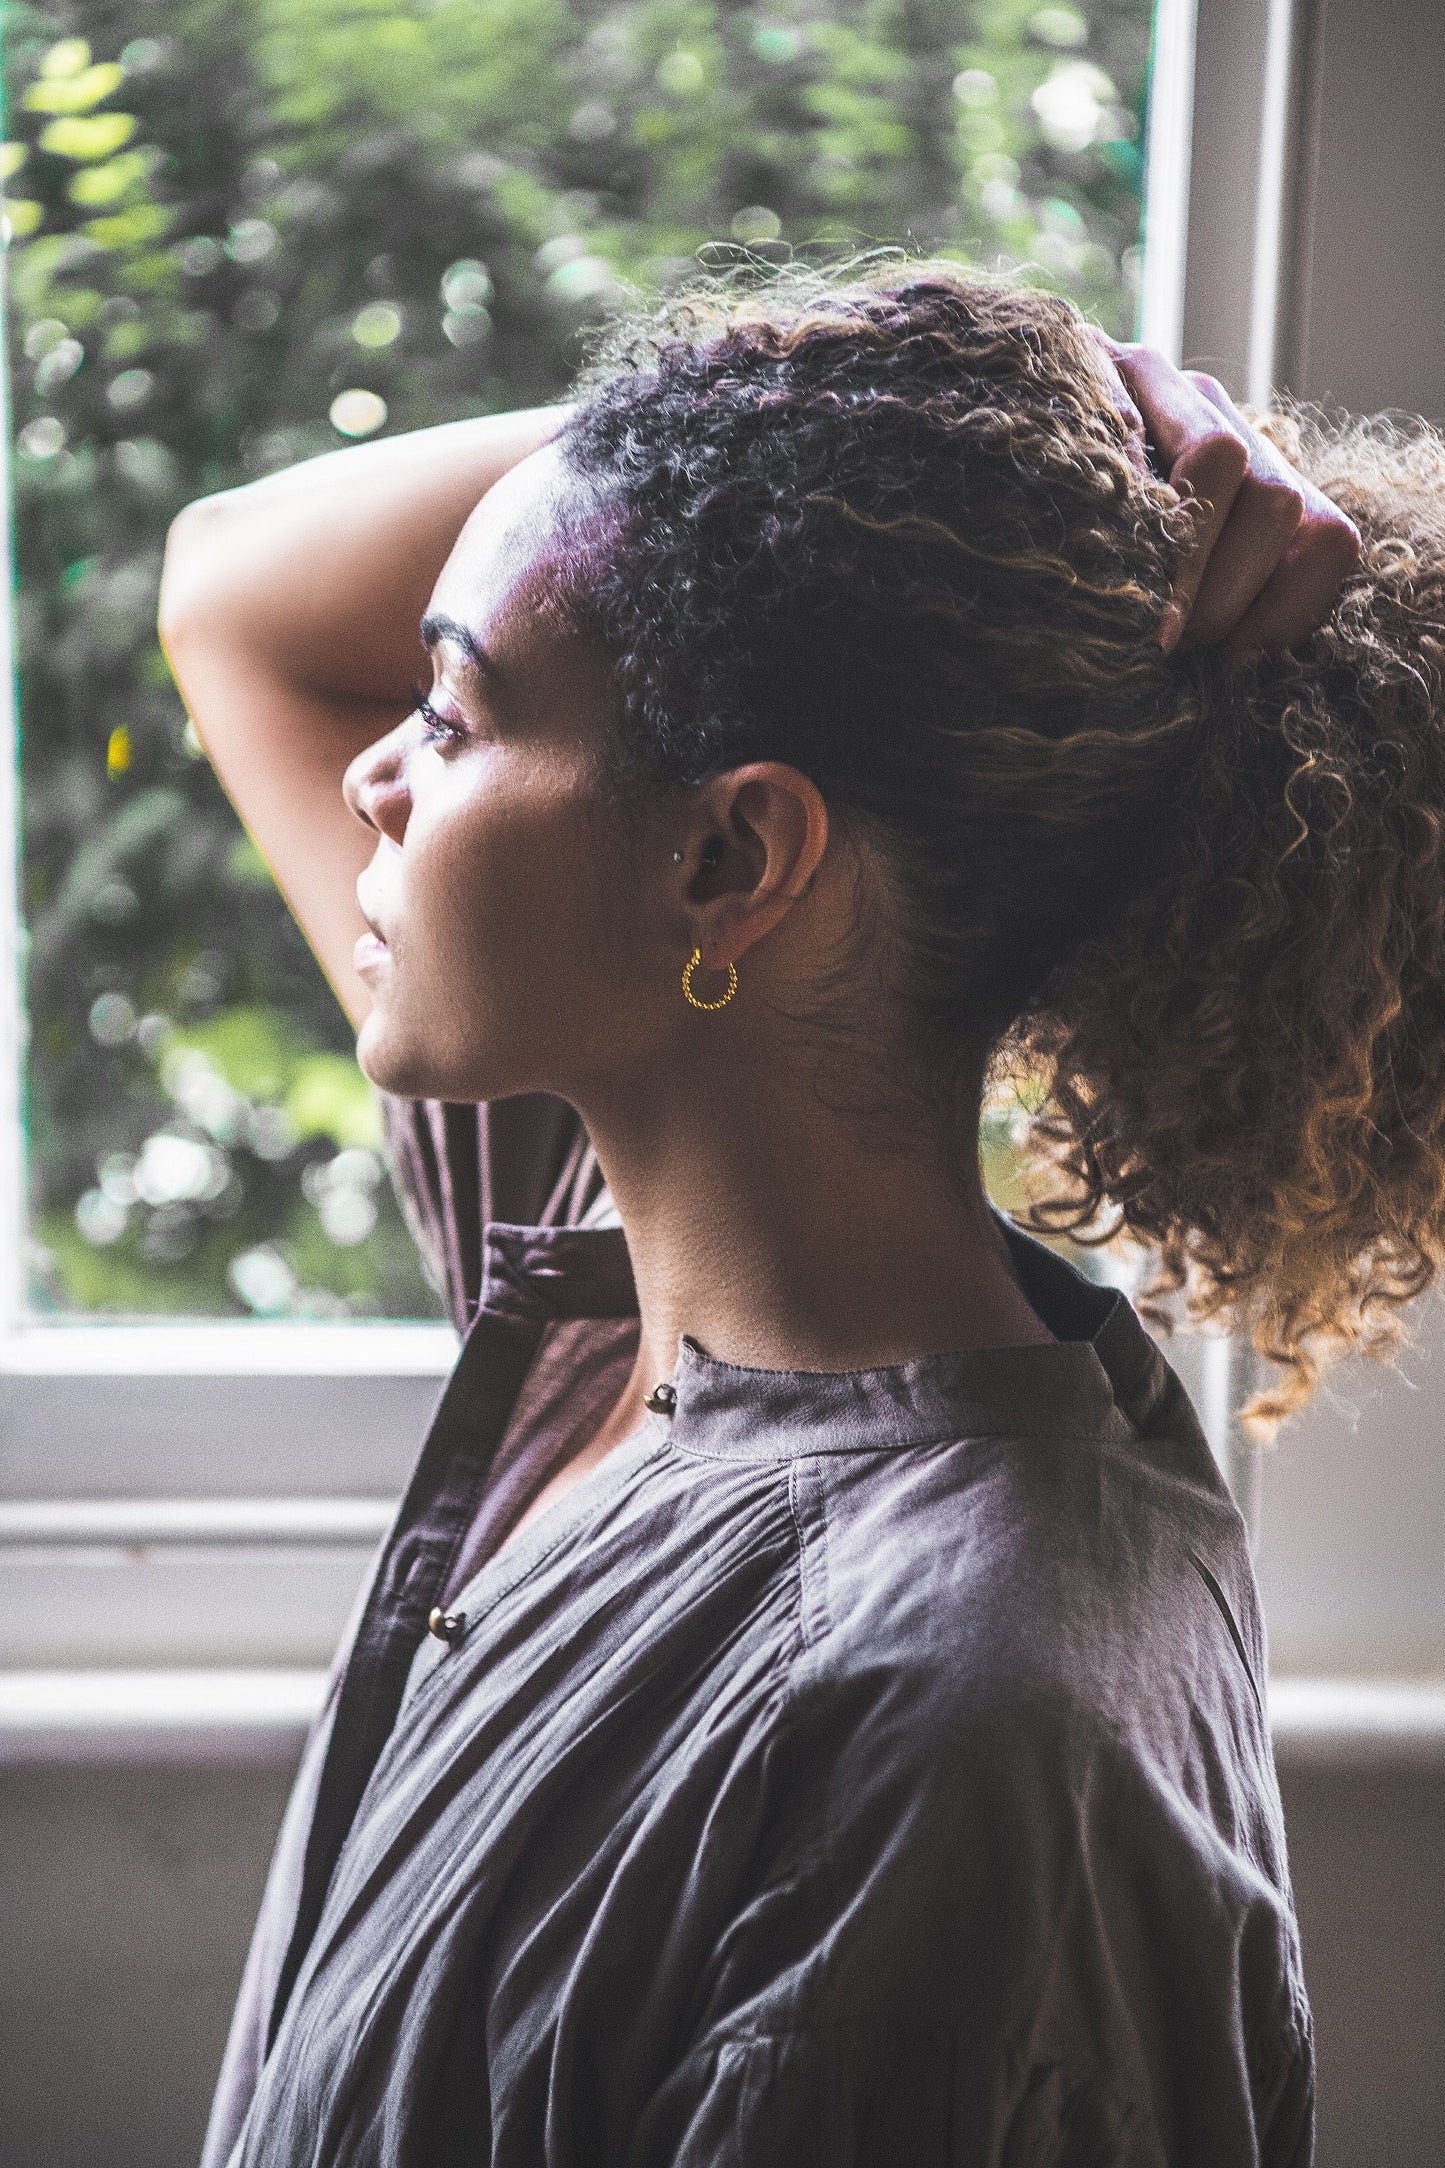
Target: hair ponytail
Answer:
[[1247, 1068]]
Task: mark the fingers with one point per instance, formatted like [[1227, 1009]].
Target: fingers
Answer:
[[1176, 412], [1304, 587], [1249, 508], [1200, 451], [1321, 550], [1270, 552], [1119, 392], [1213, 471], [1270, 545]]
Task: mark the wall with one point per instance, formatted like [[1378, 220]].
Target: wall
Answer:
[[132, 1870]]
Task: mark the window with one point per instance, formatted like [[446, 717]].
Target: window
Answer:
[[232, 250], [235, 241], [232, 247]]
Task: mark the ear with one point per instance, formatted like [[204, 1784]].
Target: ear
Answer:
[[772, 822]]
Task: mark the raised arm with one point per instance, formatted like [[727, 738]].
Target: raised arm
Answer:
[[289, 608], [289, 611]]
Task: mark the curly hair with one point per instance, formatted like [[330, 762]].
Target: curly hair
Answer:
[[893, 529]]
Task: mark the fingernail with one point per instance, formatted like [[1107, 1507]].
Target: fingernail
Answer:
[[1171, 625]]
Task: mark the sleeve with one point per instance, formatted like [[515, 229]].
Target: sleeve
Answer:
[[527, 1160], [1026, 1950]]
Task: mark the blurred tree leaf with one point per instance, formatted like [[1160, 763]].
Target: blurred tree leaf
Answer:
[[74, 93], [96, 136], [329, 1097], [424, 202]]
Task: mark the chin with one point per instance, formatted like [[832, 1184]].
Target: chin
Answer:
[[387, 1061], [399, 1065]]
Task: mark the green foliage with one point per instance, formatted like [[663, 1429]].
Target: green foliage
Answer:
[[224, 219]]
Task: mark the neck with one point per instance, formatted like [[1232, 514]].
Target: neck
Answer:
[[765, 1225]]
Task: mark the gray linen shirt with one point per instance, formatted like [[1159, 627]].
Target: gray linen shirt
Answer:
[[866, 1769]]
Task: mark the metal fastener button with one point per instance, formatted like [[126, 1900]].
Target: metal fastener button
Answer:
[[662, 1399], [448, 1626]]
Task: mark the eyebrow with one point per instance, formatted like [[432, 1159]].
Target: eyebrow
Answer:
[[435, 628]]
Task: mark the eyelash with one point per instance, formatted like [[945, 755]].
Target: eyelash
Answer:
[[437, 725]]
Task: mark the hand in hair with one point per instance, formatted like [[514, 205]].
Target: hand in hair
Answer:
[[1271, 552]]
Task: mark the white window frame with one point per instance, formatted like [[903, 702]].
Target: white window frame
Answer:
[[177, 1493], [205, 1495]]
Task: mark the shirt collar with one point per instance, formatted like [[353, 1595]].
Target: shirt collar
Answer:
[[542, 1273], [1102, 1373]]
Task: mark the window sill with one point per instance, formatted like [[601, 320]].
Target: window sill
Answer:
[[209, 1411], [1369, 1724], [227, 1348], [261, 1717]]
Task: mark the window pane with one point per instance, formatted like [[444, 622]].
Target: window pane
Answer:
[[242, 236]]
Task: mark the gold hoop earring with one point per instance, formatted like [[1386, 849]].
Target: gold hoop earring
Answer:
[[691, 965]]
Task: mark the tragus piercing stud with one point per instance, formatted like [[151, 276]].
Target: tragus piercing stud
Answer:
[[677, 858]]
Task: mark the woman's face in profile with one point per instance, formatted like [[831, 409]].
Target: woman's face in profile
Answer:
[[523, 939]]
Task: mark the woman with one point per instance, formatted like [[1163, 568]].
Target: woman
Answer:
[[809, 1707]]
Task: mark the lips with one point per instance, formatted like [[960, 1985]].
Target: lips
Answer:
[[372, 946], [370, 950]]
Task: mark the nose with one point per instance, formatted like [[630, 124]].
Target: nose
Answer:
[[375, 785]]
